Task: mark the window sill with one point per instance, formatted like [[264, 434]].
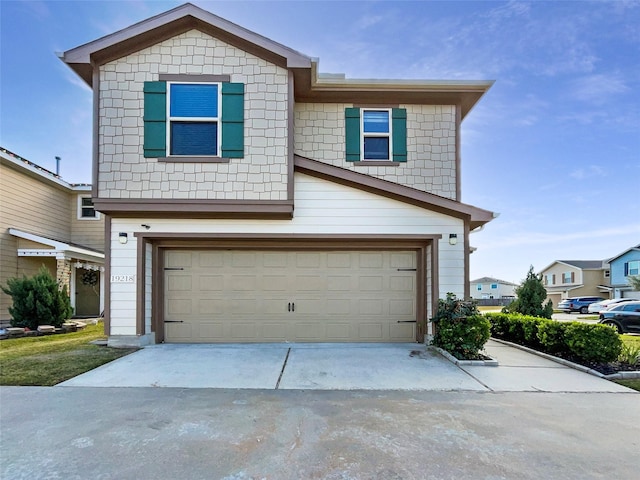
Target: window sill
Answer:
[[376, 163], [203, 159]]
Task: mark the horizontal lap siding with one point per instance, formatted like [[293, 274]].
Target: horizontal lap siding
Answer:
[[32, 206], [321, 208], [86, 232]]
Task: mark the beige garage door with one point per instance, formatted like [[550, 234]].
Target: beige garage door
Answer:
[[252, 296]]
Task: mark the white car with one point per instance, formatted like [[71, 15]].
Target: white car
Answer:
[[605, 304]]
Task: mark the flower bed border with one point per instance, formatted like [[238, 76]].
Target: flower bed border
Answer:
[[476, 363]]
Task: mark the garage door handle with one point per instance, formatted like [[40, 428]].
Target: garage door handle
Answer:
[[289, 307], [174, 321], [407, 269], [293, 307], [173, 268]]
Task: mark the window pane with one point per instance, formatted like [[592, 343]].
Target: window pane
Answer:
[[194, 138], [88, 212], [376, 122], [194, 100], [376, 148]]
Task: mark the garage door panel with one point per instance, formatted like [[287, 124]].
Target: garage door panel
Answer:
[[401, 331], [338, 331], [242, 296], [371, 331], [211, 283]]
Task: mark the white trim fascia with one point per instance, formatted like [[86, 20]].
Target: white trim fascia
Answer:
[[560, 289], [59, 249], [35, 171]]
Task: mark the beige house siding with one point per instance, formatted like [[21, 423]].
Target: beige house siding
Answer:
[[86, 232], [431, 145], [585, 283], [35, 207], [123, 171]]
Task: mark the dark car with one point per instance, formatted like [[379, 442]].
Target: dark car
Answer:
[[624, 317], [577, 304]]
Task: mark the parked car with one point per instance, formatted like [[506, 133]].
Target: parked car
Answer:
[[578, 304], [624, 317], [606, 304]]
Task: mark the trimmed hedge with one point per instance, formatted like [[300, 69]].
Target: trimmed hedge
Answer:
[[574, 340]]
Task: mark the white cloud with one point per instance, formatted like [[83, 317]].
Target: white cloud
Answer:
[[588, 172], [599, 88]]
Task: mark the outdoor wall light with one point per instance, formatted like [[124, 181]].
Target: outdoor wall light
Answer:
[[122, 236], [453, 238]]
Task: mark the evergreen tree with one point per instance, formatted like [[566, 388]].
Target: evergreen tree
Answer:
[[38, 301], [531, 294]]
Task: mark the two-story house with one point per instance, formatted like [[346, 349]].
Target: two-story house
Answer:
[[574, 278], [250, 198], [489, 288], [47, 221], [623, 266]]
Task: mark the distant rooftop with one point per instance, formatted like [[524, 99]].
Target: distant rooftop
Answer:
[[493, 280], [585, 264]]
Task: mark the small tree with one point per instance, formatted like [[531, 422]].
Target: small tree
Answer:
[[634, 281], [531, 294], [38, 300]]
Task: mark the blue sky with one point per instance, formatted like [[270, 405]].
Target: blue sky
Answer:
[[554, 147]]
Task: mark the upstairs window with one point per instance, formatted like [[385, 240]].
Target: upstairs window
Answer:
[[494, 286], [479, 287], [568, 277], [86, 210], [376, 134], [193, 126], [632, 268], [190, 120]]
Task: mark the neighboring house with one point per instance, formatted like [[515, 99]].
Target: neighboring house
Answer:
[[575, 278], [623, 266], [47, 221], [486, 288], [252, 199]]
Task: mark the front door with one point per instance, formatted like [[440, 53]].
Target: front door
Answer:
[[87, 293]]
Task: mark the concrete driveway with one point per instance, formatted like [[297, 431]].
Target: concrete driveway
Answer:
[[336, 367]]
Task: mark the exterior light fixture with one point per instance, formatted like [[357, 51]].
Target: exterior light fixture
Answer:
[[122, 236], [453, 238]]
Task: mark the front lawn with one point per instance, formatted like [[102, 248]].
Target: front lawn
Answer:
[[52, 359]]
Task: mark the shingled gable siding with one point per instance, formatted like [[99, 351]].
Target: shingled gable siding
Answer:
[[431, 145], [123, 170]]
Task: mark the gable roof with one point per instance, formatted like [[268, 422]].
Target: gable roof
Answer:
[[636, 248], [493, 280], [580, 264], [57, 247], [476, 216], [309, 85]]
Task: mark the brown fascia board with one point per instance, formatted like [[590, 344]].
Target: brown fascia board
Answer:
[[476, 216], [310, 87], [169, 24], [186, 208]]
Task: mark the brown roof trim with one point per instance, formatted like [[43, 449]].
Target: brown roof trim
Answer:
[[186, 208], [171, 23], [476, 216]]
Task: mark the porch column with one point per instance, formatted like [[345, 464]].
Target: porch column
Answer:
[[63, 273]]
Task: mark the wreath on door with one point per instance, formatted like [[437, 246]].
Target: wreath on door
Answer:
[[90, 278]]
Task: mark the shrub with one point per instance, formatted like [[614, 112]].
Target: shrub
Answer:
[[38, 301], [530, 298], [593, 343], [630, 354], [499, 324], [460, 330], [551, 336], [530, 327]]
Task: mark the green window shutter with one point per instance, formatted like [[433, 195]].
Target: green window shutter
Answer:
[[232, 120], [399, 118], [352, 134], [155, 119]]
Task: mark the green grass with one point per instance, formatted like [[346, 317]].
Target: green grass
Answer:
[[633, 383], [52, 359]]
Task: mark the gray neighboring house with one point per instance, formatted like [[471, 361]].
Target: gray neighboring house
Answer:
[[489, 288], [575, 278]]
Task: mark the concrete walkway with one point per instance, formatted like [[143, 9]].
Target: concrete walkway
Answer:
[[336, 367]]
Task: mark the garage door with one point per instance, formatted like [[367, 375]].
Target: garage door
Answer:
[[300, 296]]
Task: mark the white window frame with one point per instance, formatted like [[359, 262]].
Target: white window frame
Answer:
[[479, 287], [364, 134], [80, 206], [494, 286], [637, 268], [217, 120]]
